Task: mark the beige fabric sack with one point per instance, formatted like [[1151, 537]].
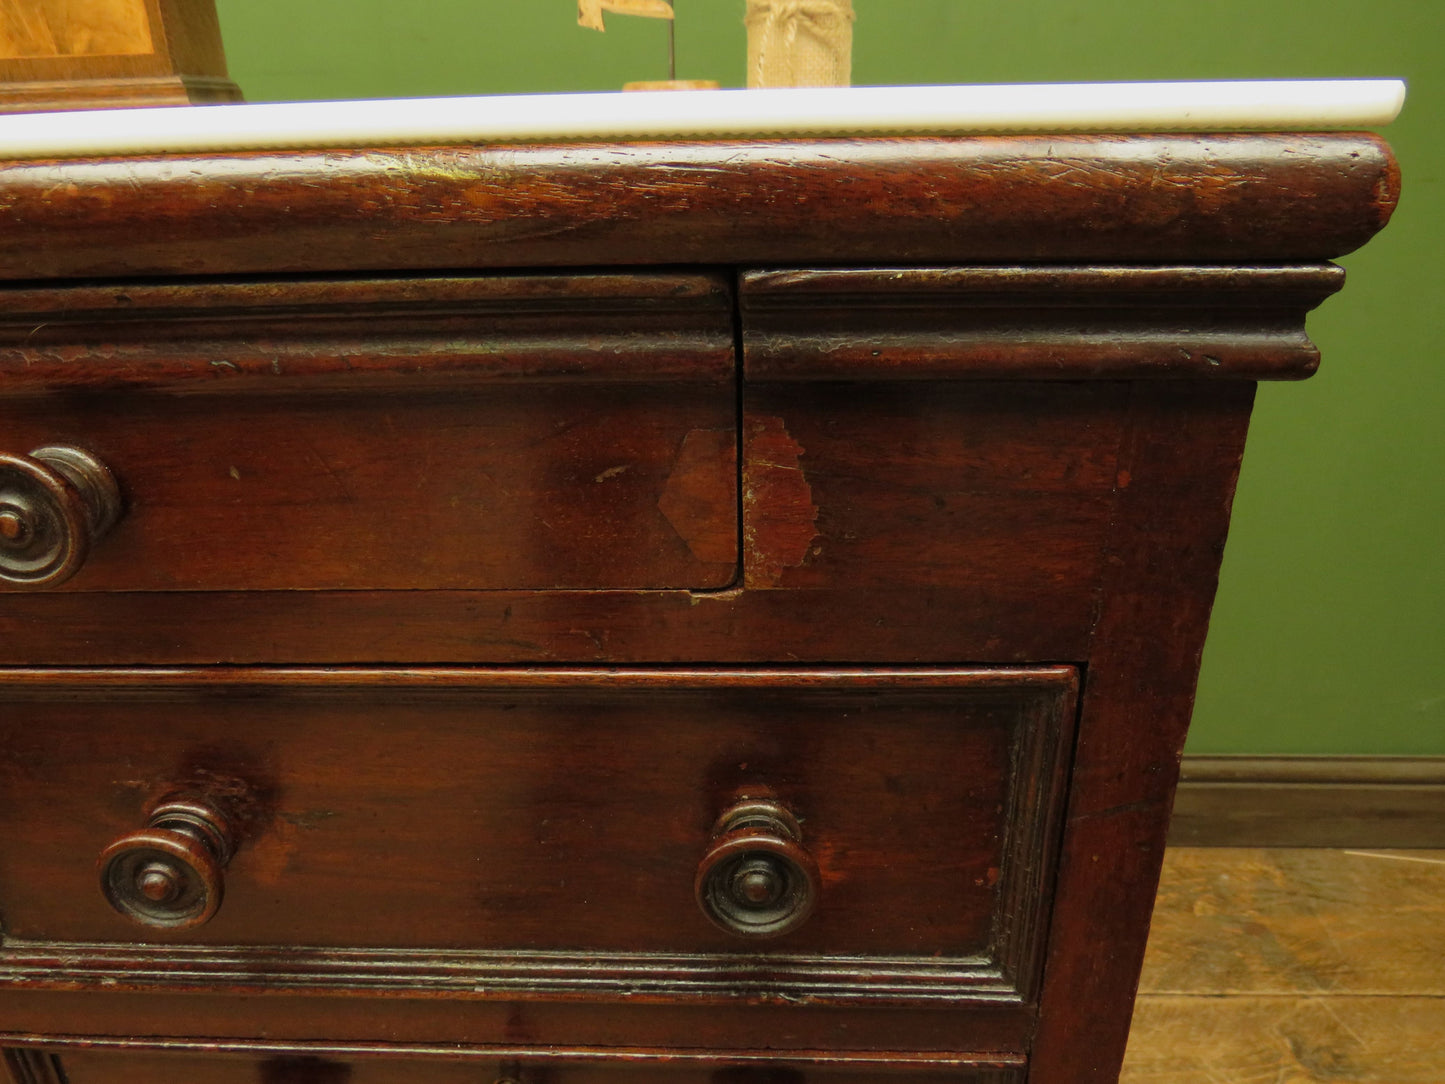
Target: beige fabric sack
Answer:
[[800, 43]]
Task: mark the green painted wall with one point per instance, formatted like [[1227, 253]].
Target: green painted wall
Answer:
[[1329, 632]]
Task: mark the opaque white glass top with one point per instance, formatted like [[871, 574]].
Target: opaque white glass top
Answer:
[[1293, 105]]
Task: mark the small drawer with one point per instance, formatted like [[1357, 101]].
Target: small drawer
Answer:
[[621, 834], [537, 432]]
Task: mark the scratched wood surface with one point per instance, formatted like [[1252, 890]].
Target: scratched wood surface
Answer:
[[1013, 199], [1293, 967]]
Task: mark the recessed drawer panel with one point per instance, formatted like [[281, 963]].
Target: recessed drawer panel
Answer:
[[700, 833], [518, 433]]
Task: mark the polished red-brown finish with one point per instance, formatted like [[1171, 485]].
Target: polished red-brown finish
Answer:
[[560, 566], [1132, 724], [1061, 199], [531, 432], [440, 334], [501, 816], [459, 1066], [1094, 323]]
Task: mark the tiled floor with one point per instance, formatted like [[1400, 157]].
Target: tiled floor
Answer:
[[1294, 967]]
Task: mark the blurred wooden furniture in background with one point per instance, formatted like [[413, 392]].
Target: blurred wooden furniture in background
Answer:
[[99, 54]]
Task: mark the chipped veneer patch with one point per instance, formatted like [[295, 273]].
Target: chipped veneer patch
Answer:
[[780, 520], [700, 497]]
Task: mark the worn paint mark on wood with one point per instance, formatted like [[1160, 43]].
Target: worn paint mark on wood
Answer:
[[700, 497], [780, 520]]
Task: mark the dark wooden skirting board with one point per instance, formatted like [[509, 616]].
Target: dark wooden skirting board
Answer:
[[1303, 801]]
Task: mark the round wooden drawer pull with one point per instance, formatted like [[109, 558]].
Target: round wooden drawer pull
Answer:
[[169, 874], [55, 503], [756, 879]]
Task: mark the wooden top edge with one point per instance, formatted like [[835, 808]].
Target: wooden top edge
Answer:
[[1234, 197]]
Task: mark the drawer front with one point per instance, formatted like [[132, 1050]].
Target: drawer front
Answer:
[[529, 433], [83, 1066], [616, 834]]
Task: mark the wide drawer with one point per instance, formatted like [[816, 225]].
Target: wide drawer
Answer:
[[532, 432], [99, 1066], [514, 833]]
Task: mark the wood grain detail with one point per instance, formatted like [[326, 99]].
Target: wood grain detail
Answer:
[[545, 432], [519, 487], [1031, 323], [971, 792], [376, 433], [1176, 479], [1001, 622], [440, 333], [1300, 1039], [1010, 484], [600, 976], [31, 28], [614, 1029], [1298, 921], [121, 92], [1310, 965], [1065, 199]]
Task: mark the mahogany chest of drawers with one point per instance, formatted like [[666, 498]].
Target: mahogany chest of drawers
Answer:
[[699, 612]]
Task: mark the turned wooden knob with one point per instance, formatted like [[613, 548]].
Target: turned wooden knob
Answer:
[[168, 875], [55, 503], [756, 879]]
